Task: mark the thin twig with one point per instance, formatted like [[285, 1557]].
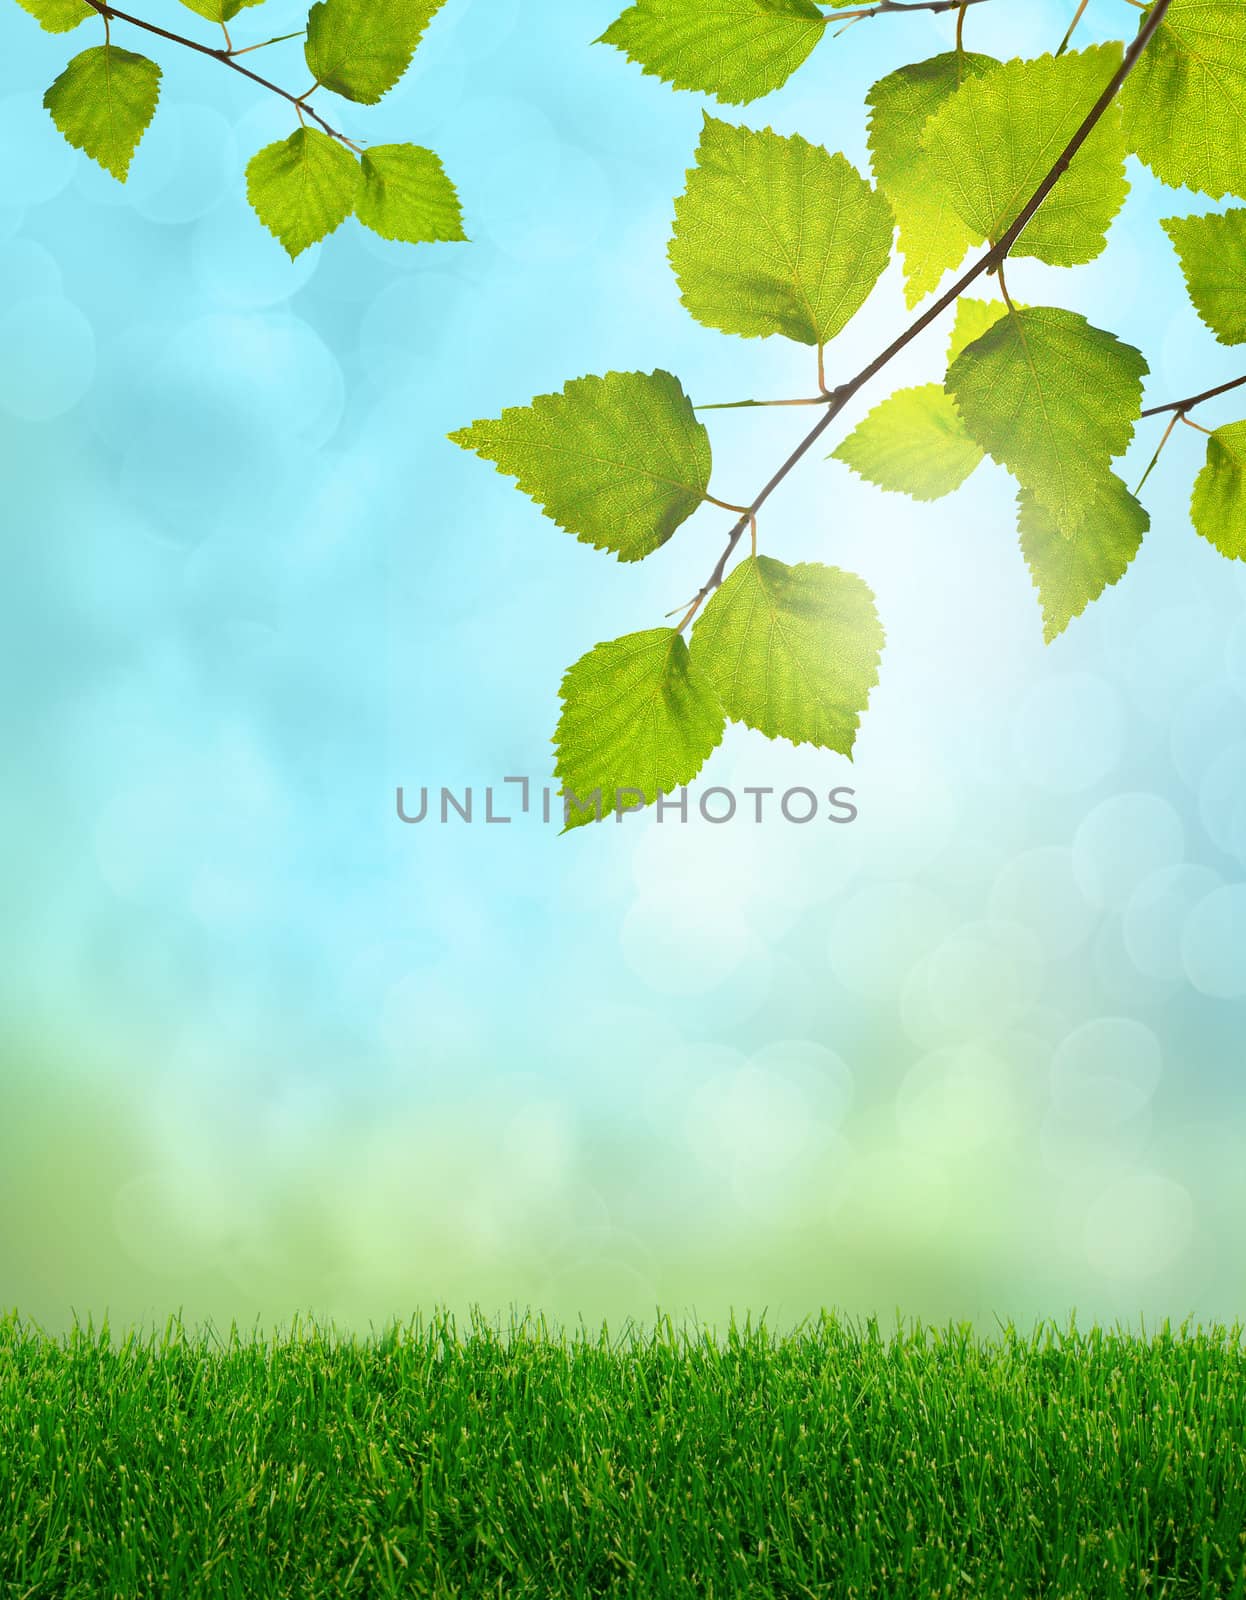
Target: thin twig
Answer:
[[988, 263], [1179, 409], [889, 8], [299, 102], [1197, 399]]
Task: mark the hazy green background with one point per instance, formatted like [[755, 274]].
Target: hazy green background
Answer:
[[265, 1049]]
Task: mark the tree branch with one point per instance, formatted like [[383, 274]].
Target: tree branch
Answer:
[[990, 262], [1182, 406], [887, 8], [299, 102]]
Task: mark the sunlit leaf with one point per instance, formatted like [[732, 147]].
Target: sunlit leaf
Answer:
[[1070, 573], [914, 443], [638, 720], [933, 235], [1184, 103], [406, 195], [1053, 399], [1218, 508], [303, 187], [1213, 258], [619, 461], [996, 139], [776, 235], [103, 103], [737, 50], [58, 16], [792, 651], [360, 48]]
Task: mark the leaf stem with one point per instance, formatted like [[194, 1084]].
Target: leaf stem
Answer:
[[1003, 288], [1168, 433], [990, 262], [264, 43], [1072, 28], [225, 57], [741, 405], [690, 613]]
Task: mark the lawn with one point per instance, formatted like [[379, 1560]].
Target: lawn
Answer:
[[520, 1461]]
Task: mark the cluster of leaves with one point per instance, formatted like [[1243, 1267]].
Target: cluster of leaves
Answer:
[[303, 187], [775, 236]]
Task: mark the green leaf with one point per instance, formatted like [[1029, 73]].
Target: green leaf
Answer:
[[103, 103], [973, 319], [1213, 258], [638, 719], [1184, 103], [58, 16], [219, 10], [360, 48], [1219, 504], [933, 235], [736, 50], [914, 443], [1070, 573], [774, 235], [992, 144], [621, 461], [406, 195], [1053, 399], [792, 651], [302, 187]]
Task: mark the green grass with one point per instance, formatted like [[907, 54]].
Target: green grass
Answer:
[[521, 1462]]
